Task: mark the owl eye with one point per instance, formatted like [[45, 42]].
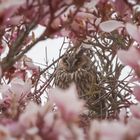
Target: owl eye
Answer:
[[65, 60], [78, 61]]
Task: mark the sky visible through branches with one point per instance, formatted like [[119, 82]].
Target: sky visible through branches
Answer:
[[70, 69]]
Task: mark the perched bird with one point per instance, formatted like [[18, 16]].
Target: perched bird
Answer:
[[77, 67]]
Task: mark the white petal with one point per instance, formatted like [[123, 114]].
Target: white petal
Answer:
[[111, 25]]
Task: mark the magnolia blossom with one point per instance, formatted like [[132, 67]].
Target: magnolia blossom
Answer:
[[136, 92], [4, 133], [15, 128], [126, 56], [90, 5], [83, 21], [14, 20], [123, 115], [120, 6], [135, 110], [131, 57], [134, 121], [53, 121], [8, 8], [29, 117], [17, 88], [63, 131], [108, 130], [134, 127], [68, 1], [30, 65], [71, 19], [8, 3], [64, 17], [111, 25], [133, 31], [67, 102]]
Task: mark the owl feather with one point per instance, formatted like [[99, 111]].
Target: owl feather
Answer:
[[76, 67]]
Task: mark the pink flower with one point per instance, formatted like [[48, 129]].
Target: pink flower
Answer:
[[123, 115], [130, 57], [103, 1], [15, 128], [6, 102], [80, 21], [4, 133], [20, 88], [78, 132], [17, 89], [111, 25], [56, 127], [8, 8], [135, 110], [4, 89], [57, 23], [121, 6], [106, 130], [68, 1], [30, 65], [49, 119], [133, 31], [67, 102], [30, 116], [64, 16], [8, 3], [90, 5], [136, 92], [14, 20], [134, 127]]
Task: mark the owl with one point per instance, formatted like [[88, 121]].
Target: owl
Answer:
[[76, 67]]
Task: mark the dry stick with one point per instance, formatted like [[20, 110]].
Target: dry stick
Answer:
[[111, 68], [49, 34], [55, 61], [10, 59], [44, 86], [50, 79], [62, 44], [46, 34], [61, 47]]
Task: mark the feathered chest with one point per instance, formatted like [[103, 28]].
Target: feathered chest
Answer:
[[82, 78], [77, 70]]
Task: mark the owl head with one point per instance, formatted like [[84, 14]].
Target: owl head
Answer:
[[73, 61]]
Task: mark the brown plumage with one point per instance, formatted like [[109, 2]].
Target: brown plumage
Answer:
[[76, 67]]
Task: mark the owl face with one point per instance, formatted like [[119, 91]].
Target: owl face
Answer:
[[77, 68], [72, 62]]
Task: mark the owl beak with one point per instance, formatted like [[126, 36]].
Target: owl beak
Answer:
[[71, 68]]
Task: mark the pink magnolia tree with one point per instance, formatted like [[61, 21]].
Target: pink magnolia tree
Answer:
[[111, 29]]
